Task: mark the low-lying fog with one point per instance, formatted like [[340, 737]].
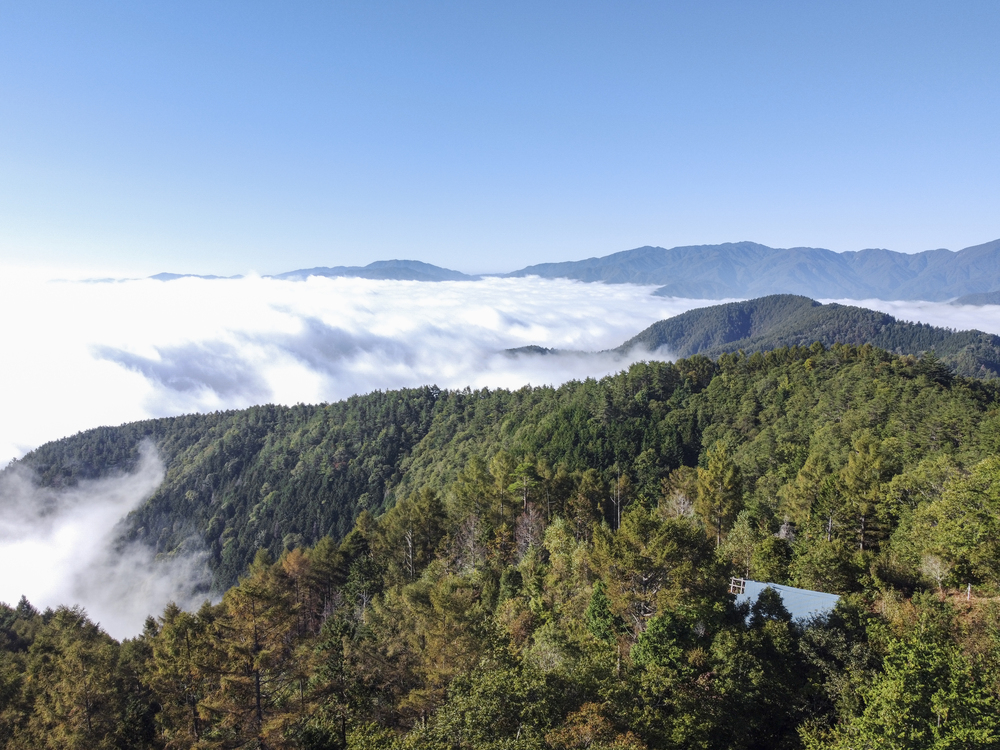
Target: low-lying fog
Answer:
[[86, 354], [60, 548], [83, 354]]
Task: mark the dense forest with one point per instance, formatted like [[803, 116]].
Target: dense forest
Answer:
[[548, 568], [781, 320]]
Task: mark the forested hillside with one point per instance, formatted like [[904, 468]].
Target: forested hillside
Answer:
[[276, 477], [788, 320], [268, 476], [553, 569]]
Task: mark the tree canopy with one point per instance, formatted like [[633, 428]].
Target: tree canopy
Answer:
[[548, 568]]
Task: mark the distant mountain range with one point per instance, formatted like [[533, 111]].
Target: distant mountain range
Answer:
[[175, 276], [744, 269], [398, 270], [788, 320]]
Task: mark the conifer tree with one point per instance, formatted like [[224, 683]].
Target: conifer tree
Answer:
[[719, 491]]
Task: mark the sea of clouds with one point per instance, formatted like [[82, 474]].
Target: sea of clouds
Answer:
[[84, 354], [81, 355]]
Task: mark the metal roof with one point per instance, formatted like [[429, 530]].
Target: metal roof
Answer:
[[801, 603]]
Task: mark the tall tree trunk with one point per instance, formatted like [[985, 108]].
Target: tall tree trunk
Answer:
[[256, 669]]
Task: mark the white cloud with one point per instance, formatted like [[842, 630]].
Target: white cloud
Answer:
[[960, 317], [80, 355], [59, 547]]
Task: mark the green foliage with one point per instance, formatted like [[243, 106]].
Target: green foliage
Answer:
[[601, 621], [547, 568], [719, 491], [962, 524], [782, 320], [930, 695], [815, 437]]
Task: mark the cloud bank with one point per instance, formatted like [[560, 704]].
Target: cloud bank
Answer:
[[960, 317], [79, 355], [59, 547]]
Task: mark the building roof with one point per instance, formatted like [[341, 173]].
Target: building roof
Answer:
[[801, 603]]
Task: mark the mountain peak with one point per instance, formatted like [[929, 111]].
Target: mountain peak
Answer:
[[399, 270]]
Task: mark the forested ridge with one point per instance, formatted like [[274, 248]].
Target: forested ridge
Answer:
[[788, 320], [548, 568]]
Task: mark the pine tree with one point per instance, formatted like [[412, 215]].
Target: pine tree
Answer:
[[719, 491]]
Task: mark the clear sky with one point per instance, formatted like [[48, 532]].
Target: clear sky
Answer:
[[224, 137]]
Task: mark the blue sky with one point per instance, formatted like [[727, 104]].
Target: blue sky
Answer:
[[232, 136]]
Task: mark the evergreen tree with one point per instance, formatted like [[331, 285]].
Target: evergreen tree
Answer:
[[719, 491]]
